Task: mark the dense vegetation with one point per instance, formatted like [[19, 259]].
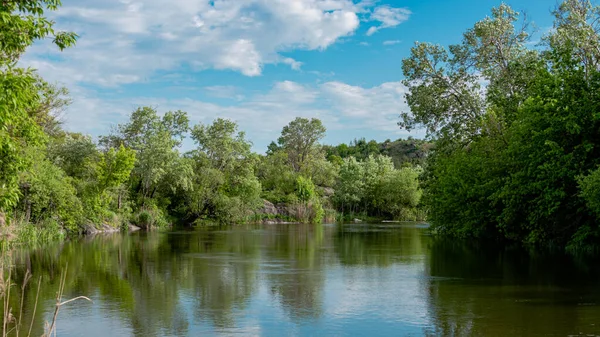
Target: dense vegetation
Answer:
[[513, 149], [516, 128], [403, 152], [55, 182]]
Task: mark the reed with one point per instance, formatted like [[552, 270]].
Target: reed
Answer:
[[13, 324]]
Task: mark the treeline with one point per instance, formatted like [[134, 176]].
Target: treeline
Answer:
[[55, 182], [516, 126], [403, 152], [138, 175]]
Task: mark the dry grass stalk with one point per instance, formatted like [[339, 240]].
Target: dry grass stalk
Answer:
[[52, 327], [8, 317], [5, 284], [23, 286], [37, 295]]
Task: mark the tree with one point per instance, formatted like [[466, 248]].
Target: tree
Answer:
[[272, 148], [400, 193], [221, 144], [72, 153], [23, 22], [517, 167], [155, 141], [48, 194], [114, 169], [276, 177], [226, 188], [299, 138], [445, 92], [350, 187]]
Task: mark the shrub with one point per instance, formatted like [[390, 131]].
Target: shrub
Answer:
[[150, 218]]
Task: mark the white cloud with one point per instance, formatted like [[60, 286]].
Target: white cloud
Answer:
[[343, 108], [376, 108], [371, 31], [224, 91], [292, 63], [135, 39], [155, 41], [388, 17], [241, 55], [391, 42]]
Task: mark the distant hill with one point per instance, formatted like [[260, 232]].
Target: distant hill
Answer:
[[402, 151]]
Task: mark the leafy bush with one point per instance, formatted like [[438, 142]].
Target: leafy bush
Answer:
[[49, 194], [150, 218]]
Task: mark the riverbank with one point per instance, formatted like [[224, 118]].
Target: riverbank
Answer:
[[30, 234]]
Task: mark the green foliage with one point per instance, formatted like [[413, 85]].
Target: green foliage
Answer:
[[48, 193], [299, 139], [404, 152], [22, 23], [74, 153], [150, 218], [401, 194], [305, 189], [276, 176], [518, 162], [464, 177], [589, 186], [225, 187], [155, 141], [45, 231], [375, 188], [115, 167], [350, 188]]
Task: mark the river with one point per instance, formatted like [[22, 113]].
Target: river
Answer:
[[297, 280]]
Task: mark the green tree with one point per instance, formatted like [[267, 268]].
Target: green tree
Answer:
[[299, 140], [226, 188], [512, 168], [401, 194], [48, 194], [350, 186], [445, 92], [23, 22], [155, 141], [276, 177]]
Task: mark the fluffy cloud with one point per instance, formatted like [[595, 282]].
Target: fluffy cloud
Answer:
[[262, 115], [168, 42], [126, 41]]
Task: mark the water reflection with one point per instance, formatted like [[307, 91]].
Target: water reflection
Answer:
[[386, 279], [486, 290], [295, 270]]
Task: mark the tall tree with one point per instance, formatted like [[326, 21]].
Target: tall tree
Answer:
[[517, 167], [446, 95], [156, 142], [23, 22], [225, 185], [299, 139]]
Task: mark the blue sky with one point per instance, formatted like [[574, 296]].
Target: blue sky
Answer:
[[259, 62]]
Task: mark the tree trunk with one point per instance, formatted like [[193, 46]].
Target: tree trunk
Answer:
[[27, 211]]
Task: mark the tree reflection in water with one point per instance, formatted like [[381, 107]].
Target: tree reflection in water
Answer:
[[338, 280]]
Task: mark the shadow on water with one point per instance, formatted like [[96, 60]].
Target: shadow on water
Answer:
[[376, 279], [489, 290]]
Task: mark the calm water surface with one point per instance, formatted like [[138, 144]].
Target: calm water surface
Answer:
[[328, 280]]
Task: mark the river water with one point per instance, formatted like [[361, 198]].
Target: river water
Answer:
[[297, 280]]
